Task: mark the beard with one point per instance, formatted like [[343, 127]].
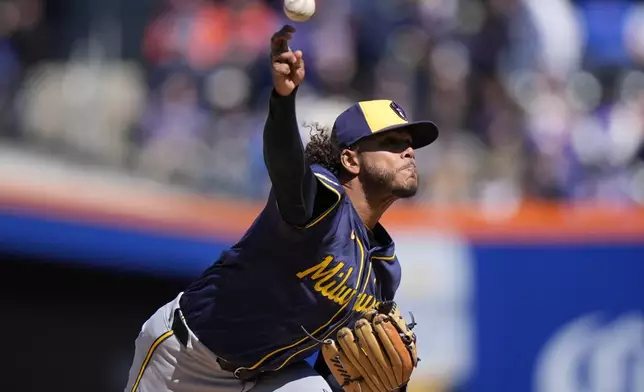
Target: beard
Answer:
[[377, 180]]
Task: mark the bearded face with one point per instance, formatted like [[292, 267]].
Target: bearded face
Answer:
[[387, 164]]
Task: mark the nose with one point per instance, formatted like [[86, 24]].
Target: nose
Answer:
[[409, 153]]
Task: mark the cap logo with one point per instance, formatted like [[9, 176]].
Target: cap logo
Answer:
[[399, 111]]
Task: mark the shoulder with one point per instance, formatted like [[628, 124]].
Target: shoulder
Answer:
[[328, 199], [328, 179]]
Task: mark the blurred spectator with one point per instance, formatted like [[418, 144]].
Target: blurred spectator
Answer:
[[22, 43], [9, 74], [173, 130], [191, 33]]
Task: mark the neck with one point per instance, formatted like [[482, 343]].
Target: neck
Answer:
[[370, 207]]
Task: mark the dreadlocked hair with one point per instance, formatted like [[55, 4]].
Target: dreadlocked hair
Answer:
[[323, 149]]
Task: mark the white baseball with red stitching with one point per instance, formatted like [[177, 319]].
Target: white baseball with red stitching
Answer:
[[299, 10]]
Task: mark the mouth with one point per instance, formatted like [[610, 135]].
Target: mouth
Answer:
[[411, 167]]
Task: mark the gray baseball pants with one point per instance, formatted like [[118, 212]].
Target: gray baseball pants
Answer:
[[163, 364]]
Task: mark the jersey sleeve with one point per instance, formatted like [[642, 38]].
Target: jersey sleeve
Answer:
[[303, 199], [328, 198]]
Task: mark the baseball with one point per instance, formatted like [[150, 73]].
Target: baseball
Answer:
[[299, 10]]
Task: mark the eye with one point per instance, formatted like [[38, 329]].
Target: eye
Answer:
[[396, 142], [389, 141]]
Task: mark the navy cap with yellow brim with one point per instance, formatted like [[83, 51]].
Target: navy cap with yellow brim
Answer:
[[368, 118]]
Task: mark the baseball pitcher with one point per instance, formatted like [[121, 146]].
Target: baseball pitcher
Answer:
[[315, 273]]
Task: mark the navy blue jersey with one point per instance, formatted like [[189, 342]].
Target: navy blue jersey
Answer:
[[253, 305]]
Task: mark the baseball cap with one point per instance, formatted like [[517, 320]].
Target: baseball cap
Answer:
[[368, 118]]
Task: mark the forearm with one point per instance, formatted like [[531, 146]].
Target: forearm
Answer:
[[293, 181]]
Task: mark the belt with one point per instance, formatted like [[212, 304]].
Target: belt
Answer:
[[181, 332]]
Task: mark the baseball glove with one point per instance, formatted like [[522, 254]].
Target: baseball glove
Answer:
[[378, 355]]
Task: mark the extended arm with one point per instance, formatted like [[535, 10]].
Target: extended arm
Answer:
[[293, 180]]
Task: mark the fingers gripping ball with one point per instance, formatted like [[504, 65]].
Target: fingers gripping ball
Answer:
[[377, 355], [299, 10]]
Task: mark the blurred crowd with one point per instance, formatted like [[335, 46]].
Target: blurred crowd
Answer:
[[536, 99]]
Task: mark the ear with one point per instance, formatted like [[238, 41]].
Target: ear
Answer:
[[350, 161]]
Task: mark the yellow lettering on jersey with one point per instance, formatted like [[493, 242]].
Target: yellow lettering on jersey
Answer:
[[330, 282], [346, 294], [318, 271], [364, 303], [331, 294]]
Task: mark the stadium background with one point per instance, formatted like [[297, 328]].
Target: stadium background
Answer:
[[130, 155]]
